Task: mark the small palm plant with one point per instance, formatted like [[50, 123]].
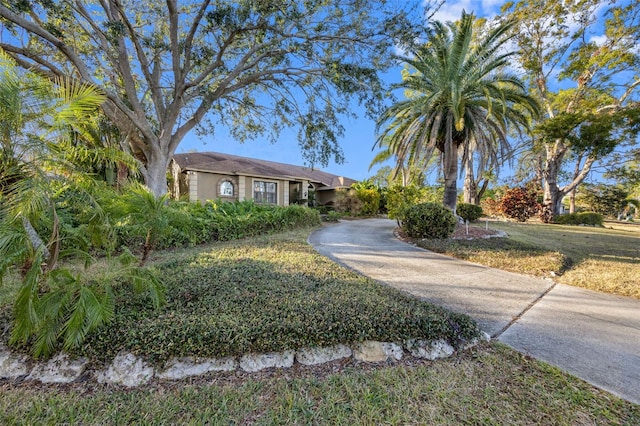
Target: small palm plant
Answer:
[[54, 305]]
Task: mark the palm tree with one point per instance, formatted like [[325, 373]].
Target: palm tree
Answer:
[[39, 177], [459, 93]]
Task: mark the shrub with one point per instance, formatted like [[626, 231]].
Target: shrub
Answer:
[[399, 198], [428, 220], [586, 218], [332, 216], [519, 203], [369, 199], [490, 207], [347, 202], [192, 223], [608, 200], [469, 212]]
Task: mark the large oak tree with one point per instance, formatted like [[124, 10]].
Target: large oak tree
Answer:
[[172, 67], [583, 61]]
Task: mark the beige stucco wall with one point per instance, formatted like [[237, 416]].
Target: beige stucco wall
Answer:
[[206, 186], [325, 197]]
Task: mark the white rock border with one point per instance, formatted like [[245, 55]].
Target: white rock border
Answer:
[[128, 370]]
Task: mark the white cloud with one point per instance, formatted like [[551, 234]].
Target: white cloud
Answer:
[[598, 40], [452, 10]]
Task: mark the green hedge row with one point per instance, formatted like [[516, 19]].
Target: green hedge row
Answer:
[[584, 218], [194, 223]]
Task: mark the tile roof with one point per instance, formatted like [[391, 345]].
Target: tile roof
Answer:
[[215, 162]]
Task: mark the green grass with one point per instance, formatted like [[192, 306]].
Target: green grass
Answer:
[[488, 385], [601, 259]]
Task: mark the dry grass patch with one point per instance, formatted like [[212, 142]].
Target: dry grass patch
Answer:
[[602, 259]]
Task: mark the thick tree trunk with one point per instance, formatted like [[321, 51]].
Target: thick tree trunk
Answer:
[[572, 201], [552, 202], [155, 174]]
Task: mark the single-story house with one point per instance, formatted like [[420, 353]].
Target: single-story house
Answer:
[[212, 176]]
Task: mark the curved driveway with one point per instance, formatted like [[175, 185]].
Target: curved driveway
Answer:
[[592, 335]]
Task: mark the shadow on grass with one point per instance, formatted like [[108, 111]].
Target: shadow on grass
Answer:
[[263, 297]]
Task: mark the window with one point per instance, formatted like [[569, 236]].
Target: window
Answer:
[[265, 192], [226, 189]]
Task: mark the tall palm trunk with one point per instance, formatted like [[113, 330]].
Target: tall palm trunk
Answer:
[[450, 171], [470, 185]]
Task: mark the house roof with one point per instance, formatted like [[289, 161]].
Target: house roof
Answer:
[[215, 162]]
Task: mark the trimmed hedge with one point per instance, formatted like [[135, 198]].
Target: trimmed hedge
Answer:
[[584, 218], [469, 212], [428, 220], [193, 223]]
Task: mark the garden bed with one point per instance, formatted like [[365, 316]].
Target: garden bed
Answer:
[[260, 295]]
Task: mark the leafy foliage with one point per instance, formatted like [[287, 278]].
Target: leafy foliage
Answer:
[[491, 207], [595, 111], [428, 220], [265, 294], [608, 200], [400, 198], [469, 212], [370, 197], [60, 307], [347, 202], [519, 203], [582, 218], [255, 67], [47, 193]]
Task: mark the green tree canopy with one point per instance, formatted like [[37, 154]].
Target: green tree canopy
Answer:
[[169, 67], [585, 76]]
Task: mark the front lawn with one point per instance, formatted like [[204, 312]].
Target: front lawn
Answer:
[[271, 292], [264, 294], [602, 259]]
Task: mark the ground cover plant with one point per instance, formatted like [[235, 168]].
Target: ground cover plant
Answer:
[[263, 294], [602, 259], [490, 384]]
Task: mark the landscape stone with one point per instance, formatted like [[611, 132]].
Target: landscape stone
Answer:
[[256, 362], [429, 349], [313, 356], [373, 351], [128, 370], [178, 368], [59, 369], [12, 365], [484, 337]]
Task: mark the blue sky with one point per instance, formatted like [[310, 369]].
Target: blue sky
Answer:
[[359, 136]]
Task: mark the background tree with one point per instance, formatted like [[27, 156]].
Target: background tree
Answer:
[[562, 45], [608, 200], [169, 67], [460, 98]]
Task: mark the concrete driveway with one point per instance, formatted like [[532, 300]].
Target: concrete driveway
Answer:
[[591, 335]]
